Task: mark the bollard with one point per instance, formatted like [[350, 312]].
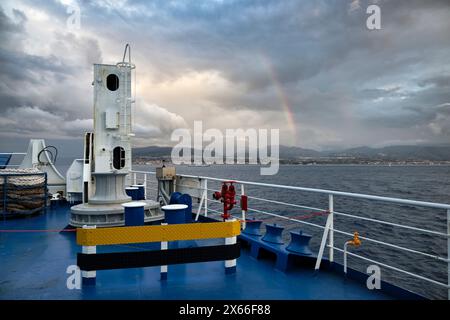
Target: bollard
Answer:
[[273, 234], [132, 192], [252, 228], [179, 198], [299, 243], [134, 213], [174, 213], [187, 200], [140, 192]]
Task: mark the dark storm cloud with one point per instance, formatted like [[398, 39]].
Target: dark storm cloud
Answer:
[[8, 26], [359, 86], [442, 81]]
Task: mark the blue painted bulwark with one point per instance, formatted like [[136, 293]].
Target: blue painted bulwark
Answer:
[[253, 228], [299, 243], [273, 234]]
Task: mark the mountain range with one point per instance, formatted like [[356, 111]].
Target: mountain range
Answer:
[[421, 152]]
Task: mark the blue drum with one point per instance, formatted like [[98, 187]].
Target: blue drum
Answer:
[[141, 191], [134, 213], [132, 192], [175, 213]]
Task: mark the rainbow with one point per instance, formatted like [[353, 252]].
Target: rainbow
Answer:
[[282, 96]]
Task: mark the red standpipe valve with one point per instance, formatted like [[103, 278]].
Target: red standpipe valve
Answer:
[[227, 196]]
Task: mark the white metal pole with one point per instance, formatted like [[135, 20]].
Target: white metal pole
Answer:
[[243, 223], [164, 246], [230, 265], [345, 257], [331, 236], [145, 185], [134, 177], [448, 251], [200, 206], [89, 277], [206, 198], [86, 180], [326, 233]]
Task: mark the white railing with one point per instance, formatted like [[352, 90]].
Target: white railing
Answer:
[[328, 229], [13, 154]]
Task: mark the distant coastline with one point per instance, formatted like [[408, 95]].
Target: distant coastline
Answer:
[[315, 162], [421, 155]]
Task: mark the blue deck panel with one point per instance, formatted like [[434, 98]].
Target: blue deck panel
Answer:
[[33, 266]]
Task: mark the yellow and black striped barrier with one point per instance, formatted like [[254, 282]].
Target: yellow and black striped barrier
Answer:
[[157, 233], [89, 261]]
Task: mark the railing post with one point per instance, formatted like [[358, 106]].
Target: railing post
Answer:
[[206, 197], [5, 189], [46, 192], [448, 251], [134, 177], [331, 235], [145, 184], [243, 211], [89, 277]]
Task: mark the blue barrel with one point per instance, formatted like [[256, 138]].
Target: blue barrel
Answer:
[[134, 213], [187, 200], [132, 192], [174, 213], [141, 191], [179, 198]]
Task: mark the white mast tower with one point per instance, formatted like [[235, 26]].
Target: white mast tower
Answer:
[[107, 152]]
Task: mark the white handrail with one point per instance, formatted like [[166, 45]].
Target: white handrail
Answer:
[[395, 268], [336, 193], [331, 229]]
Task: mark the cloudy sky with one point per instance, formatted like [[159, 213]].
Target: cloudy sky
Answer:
[[310, 68]]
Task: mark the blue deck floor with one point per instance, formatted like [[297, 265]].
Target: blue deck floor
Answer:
[[33, 266]]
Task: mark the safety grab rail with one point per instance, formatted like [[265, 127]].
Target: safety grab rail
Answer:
[[329, 229]]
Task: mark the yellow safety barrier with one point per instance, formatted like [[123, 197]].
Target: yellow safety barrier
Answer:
[[157, 233]]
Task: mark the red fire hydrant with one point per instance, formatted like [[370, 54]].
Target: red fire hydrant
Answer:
[[227, 197]]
